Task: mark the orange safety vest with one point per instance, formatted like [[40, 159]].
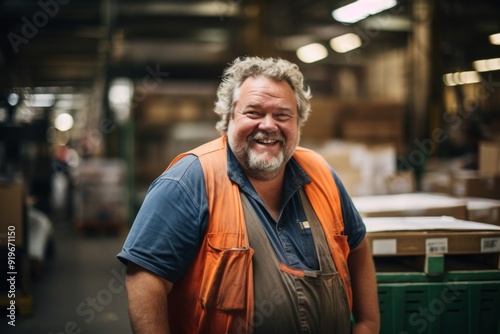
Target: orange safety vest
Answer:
[[216, 294]]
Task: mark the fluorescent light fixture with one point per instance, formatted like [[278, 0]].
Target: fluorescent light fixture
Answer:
[[457, 79], [41, 100], [486, 65], [312, 52], [345, 43], [203, 8], [448, 79], [470, 77], [495, 39], [461, 78], [361, 9]]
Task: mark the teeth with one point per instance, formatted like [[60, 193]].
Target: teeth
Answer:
[[267, 141]]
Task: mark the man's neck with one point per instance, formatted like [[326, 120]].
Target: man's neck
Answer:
[[270, 191]]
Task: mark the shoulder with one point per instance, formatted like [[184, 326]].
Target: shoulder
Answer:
[[185, 168], [184, 178]]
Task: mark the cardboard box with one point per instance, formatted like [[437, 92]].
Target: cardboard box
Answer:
[[12, 213], [483, 210], [363, 169], [411, 205], [378, 130], [323, 120], [425, 242], [474, 184], [489, 157], [436, 182], [401, 182], [430, 235]]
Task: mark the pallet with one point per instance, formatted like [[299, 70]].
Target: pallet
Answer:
[[437, 264], [446, 306]]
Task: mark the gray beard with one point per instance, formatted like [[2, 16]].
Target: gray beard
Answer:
[[261, 169], [256, 167]]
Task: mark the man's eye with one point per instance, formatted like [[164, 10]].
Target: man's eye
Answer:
[[252, 113], [283, 117]]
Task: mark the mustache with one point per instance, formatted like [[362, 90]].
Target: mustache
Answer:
[[263, 135]]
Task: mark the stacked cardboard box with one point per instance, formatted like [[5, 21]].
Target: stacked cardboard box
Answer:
[[489, 157], [364, 169], [472, 183], [373, 122], [436, 182], [483, 210], [411, 205], [428, 235], [101, 196]]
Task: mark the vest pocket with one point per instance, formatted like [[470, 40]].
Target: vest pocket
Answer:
[[225, 277]]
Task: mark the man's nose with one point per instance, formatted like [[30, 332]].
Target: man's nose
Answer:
[[268, 123]]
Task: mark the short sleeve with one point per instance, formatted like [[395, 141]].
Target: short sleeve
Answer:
[[354, 227], [171, 223]]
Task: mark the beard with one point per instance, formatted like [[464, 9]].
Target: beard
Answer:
[[259, 165]]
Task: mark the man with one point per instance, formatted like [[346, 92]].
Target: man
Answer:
[[251, 233]]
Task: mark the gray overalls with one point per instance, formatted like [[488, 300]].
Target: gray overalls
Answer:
[[289, 300]]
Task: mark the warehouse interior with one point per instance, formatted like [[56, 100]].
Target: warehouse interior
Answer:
[[98, 96]]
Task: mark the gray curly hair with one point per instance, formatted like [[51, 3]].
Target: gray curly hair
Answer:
[[274, 68]]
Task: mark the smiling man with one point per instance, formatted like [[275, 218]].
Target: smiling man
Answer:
[[251, 233]]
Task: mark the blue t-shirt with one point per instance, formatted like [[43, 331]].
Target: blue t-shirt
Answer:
[[171, 223]]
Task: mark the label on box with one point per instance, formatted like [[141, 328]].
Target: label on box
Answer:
[[384, 246], [490, 245], [436, 246]]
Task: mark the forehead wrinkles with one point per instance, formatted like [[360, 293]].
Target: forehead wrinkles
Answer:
[[264, 100], [265, 92]]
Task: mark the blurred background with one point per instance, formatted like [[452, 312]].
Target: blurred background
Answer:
[[97, 96]]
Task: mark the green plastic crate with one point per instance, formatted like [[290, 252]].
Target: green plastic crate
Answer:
[[440, 307]]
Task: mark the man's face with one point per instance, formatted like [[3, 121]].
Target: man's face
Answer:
[[263, 132]]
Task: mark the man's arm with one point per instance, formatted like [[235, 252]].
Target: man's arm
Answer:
[[364, 289], [147, 298]]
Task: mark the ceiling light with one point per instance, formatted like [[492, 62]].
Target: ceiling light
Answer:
[[480, 65], [361, 9], [457, 79], [120, 95], [495, 39], [486, 65], [312, 52], [13, 99], [41, 100], [461, 78], [448, 79], [203, 8], [345, 43], [469, 77], [63, 122]]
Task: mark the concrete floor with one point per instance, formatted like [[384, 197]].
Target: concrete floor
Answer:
[[81, 289]]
